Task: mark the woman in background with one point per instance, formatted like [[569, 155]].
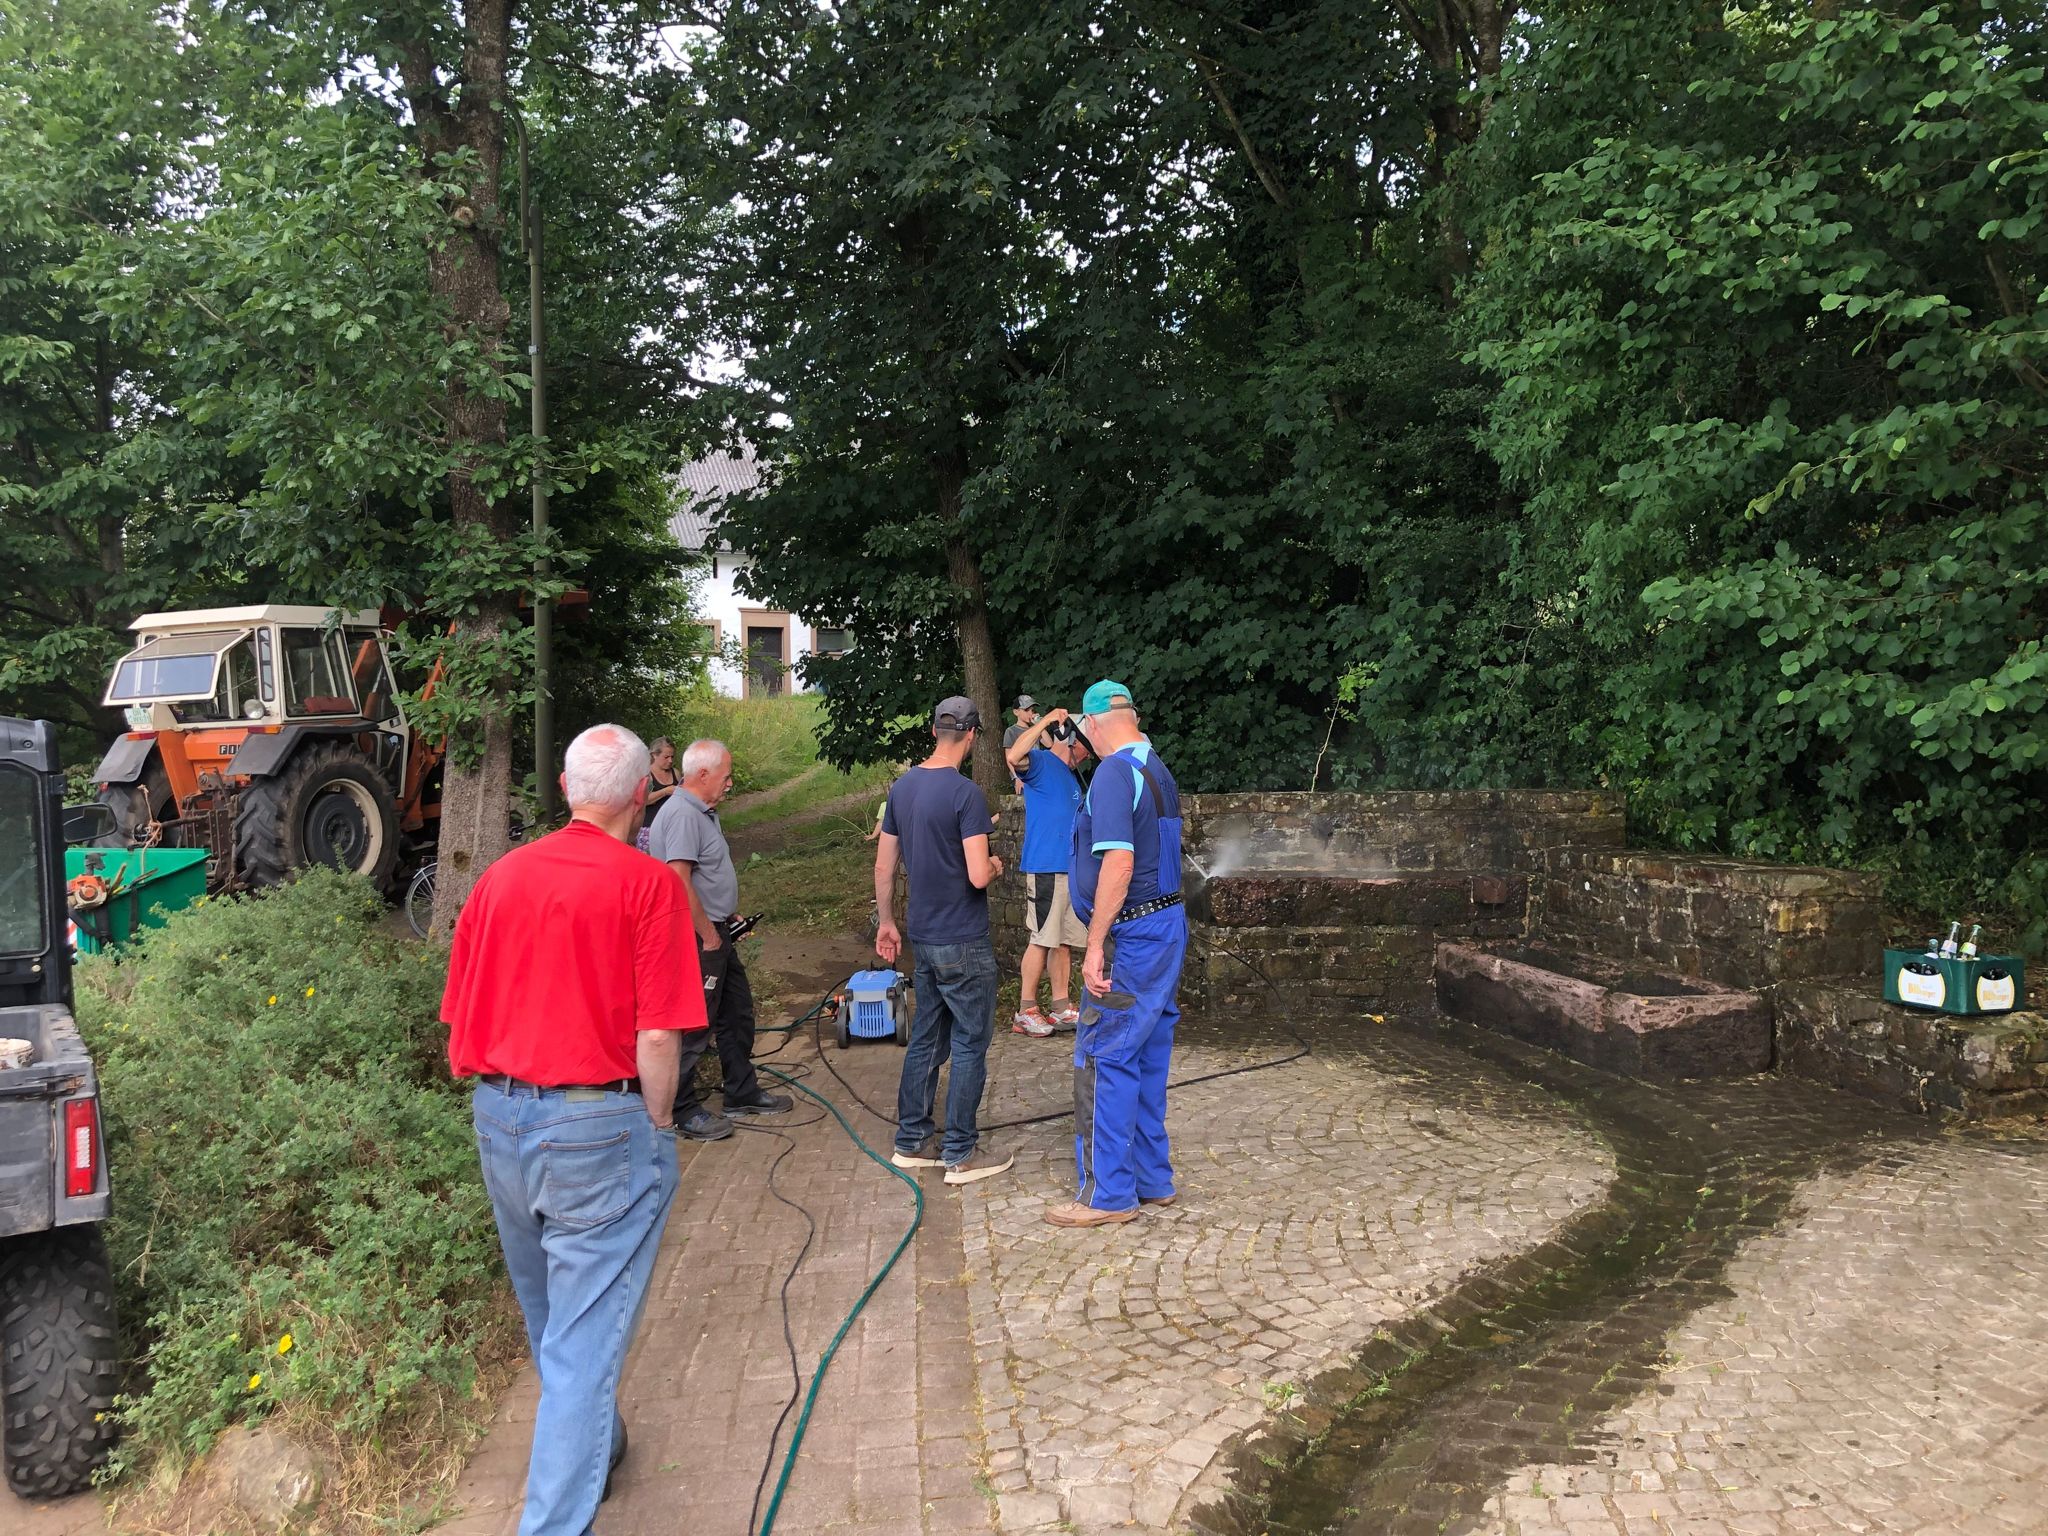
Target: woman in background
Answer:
[[662, 781]]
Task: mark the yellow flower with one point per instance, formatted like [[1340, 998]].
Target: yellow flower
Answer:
[[284, 1345], [309, 991], [273, 1000], [255, 1381]]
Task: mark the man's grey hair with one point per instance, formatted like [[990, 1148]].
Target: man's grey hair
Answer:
[[703, 755], [604, 766]]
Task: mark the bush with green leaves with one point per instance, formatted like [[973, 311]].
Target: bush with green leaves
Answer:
[[300, 1225], [1766, 327]]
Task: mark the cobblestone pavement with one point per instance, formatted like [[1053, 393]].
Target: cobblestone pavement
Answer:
[[1414, 1283], [1881, 1364], [1317, 1201]]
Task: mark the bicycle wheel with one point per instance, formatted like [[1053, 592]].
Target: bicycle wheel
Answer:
[[419, 900]]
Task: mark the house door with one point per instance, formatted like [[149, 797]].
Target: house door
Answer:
[[766, 663]]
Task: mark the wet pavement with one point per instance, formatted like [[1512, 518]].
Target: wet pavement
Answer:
[[1517, 1364], [1420, 1280], [1319, 1201]]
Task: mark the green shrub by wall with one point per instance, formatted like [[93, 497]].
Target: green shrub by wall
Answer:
[[291, 1162]]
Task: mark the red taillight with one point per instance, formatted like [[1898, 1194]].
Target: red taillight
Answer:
[[81, 1146]]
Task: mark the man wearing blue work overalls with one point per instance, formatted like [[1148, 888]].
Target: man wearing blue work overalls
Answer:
[[1124, 878]]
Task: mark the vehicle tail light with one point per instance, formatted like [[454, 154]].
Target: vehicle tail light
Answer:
[[81, 1146]]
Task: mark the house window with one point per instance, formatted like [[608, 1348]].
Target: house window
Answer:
[[833, 642]]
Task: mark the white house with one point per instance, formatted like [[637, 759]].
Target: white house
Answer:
[[770, 640]]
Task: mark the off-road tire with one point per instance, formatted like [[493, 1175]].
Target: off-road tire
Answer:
[[59, 1360], [134, 805], [272, 813]]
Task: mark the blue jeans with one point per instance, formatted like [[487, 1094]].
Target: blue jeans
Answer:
[[581, 1185], [956, 1015]]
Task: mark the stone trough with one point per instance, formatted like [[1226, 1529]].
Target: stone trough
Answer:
[[1604, 1012], [1523, 911]]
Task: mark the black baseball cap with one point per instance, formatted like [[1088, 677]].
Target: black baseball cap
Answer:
[[956, 714]]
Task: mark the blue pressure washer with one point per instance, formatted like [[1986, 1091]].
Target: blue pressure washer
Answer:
[[874, 1005]]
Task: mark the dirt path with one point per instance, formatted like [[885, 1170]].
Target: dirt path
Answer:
[[756, 798], [771, 836]]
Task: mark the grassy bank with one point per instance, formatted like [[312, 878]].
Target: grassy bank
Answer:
[[300, 1229], [772, 740], [776, 771]]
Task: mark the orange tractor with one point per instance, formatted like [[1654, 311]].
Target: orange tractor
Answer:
[[272, 737]]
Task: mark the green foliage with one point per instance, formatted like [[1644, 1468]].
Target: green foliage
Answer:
[[223, 375], [1765, 364], [1191, 426], [290, 1158], [94, 101]]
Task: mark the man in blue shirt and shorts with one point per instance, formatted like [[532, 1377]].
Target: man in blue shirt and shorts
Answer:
[[1042, 760], [1124, 874], [937, 819]]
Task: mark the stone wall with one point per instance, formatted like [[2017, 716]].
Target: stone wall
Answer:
[[1840, 1032], [1397, 831], [1403, 863], [1740, 924], [1330, 945]]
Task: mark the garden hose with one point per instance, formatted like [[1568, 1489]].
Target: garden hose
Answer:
[[874, 1283], [813, 1015]]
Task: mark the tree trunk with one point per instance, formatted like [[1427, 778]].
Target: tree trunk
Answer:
[[462, 107], [977, 640]]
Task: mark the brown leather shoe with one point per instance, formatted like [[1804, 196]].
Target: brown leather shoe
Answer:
[[1157, 1199], [1073, 1214]]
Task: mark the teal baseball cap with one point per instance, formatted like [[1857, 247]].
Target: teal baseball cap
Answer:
[[1101, 697]]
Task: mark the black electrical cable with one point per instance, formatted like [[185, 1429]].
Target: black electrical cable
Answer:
[[1303, 1048], [814, 1016], [796, 1374]]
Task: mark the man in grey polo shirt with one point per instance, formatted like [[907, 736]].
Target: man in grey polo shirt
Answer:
[[686, 834]]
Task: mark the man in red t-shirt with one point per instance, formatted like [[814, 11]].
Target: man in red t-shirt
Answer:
[[571, 977]]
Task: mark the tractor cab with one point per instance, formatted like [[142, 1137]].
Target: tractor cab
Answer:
[[227, 707]]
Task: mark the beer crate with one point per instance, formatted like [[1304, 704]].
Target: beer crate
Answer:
[[1951, 984]]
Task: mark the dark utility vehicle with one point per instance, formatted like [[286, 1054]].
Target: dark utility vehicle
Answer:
[[58, 1360]]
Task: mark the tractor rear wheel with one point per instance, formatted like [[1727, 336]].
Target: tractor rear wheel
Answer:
[[328, 805], [136, 805]]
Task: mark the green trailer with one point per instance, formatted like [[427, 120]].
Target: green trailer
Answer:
[[143, 887]]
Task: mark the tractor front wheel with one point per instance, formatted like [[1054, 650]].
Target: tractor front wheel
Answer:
[[328, 805]]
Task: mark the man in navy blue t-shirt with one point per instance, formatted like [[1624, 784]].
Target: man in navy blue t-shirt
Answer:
[[937, 821], [1125, 879]]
